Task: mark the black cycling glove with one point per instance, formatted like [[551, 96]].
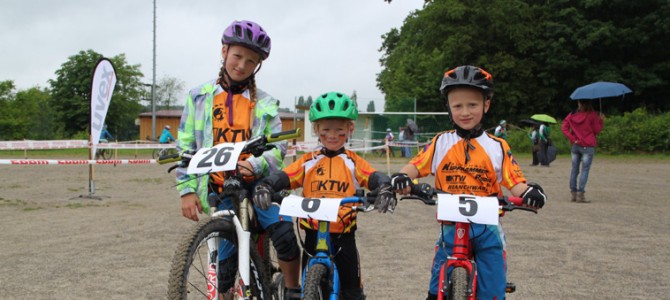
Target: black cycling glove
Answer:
[[534, 196], [263, 196], [386, 200], [399, 181]]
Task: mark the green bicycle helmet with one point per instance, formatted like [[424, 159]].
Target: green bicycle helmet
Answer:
[[333, 105]]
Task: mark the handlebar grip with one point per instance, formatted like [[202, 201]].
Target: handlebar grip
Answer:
[[164, 159], [284, 135], [515, 200]]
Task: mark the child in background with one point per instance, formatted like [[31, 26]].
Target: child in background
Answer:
[[333, 115], [484, 164]]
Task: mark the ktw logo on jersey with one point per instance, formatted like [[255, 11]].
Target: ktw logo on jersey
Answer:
[[329, 185], [227, 135], [459, 178]]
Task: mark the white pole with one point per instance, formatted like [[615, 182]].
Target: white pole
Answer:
[[153, 84]]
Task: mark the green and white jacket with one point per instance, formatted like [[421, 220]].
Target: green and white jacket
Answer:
[[195, 132]]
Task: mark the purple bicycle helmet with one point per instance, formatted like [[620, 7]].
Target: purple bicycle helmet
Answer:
[[248, 34]]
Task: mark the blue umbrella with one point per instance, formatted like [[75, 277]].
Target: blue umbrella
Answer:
[[600, 89]]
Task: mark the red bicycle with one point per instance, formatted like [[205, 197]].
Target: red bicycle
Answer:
[[462, 210]]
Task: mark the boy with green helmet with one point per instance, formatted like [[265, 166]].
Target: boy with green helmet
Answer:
[[332, 115]]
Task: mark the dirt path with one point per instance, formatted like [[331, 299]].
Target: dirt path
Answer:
[[56, 245]]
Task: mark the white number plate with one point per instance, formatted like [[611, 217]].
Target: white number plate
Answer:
[[467, 209], [323, 209], [222, 157]]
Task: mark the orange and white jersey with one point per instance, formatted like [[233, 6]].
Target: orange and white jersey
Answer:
[[338, 176], [489, 165]]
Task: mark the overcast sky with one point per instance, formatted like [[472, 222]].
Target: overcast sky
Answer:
[[317, 46]]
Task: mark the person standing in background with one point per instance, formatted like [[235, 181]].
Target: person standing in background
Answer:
[[535, 141], [389, 138], [581, 128], [501, 130], [544, 133]]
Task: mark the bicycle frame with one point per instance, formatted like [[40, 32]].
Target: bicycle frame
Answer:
[[462, 257], [462, 254], [324, 253], [242, 229]]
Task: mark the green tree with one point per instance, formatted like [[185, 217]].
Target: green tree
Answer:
[[371, 106], [26, 114], [39, 119], [8, 122], [538, 52], [71, 92]]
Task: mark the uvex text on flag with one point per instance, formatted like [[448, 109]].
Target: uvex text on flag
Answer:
[[102, 87]]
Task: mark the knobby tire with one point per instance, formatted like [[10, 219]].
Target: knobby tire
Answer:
[[458, 284], [188, 273], [271, 266], [317, 283]]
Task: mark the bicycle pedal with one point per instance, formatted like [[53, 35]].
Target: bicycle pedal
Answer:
[[510, 288]]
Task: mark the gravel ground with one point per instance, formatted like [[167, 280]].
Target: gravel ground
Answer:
[[58, 245]]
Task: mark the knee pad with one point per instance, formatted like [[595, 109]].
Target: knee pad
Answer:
[[284, 240]]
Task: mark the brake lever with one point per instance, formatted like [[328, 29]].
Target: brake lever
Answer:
[[173, 167], [526, 208], [258, 151]]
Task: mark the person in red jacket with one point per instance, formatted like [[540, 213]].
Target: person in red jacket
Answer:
[[581, 128]]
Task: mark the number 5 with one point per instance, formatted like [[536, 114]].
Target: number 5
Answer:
[[468, 206]]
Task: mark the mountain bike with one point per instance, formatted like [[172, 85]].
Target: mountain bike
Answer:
[[158, 152], [320, 278], [458, 275], [194, 270]]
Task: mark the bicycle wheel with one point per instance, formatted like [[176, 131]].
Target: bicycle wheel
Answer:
[[316, 283], [189, 271], [271, 265], [458, 284], [106, 154], [156, 153]]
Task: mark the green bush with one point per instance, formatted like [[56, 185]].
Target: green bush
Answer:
[[633, 133], [636, 132]]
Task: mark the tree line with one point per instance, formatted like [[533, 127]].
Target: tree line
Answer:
[[63, 109], [537, 51]]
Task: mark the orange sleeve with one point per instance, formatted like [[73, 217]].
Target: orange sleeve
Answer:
[[296, 171], [511, 171], [363, 169], [424, 160]]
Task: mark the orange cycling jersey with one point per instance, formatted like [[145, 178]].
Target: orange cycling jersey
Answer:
[[490, 164], [338, 176], [224, 131]]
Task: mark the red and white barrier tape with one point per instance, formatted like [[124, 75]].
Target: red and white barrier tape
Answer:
[[72, 144], [76, 162], [28, 145]]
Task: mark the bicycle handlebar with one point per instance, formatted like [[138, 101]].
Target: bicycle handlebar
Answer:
[[425, 193], [256, 146], [359, 197]]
